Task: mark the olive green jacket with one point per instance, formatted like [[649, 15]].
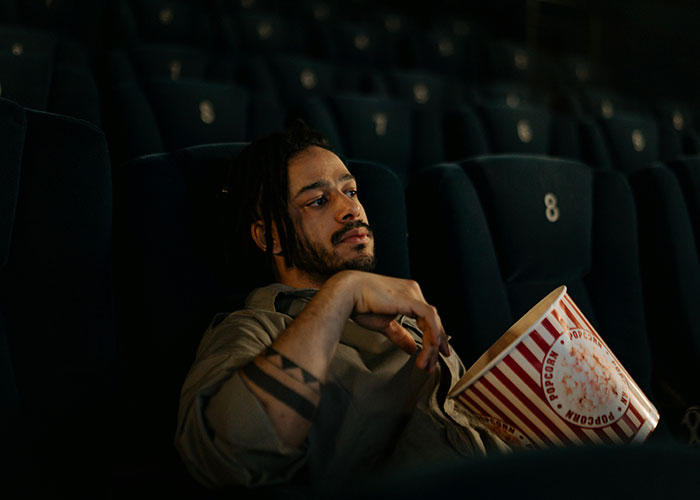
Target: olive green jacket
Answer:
[[378, 412]]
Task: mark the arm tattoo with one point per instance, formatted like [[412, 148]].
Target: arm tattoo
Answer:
[[287, 382]]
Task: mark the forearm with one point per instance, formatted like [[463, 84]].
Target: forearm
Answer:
[[287, 378]]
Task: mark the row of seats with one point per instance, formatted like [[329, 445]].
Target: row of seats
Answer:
[[449, 120]]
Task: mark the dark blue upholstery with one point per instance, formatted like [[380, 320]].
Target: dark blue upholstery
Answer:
[[514, 228], [164, 115], [56, 300], [41, 72], [178, 21], [633, 140], [375, 129], [670, 263]]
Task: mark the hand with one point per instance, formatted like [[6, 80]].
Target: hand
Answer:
[[379, 299]]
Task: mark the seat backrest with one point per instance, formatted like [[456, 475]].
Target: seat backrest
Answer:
[[551, 222], [166, 115], [41, 72], [670, 264], [267, 32], [633, 140], [520, 129], [300, 78], [169, 278], [56, 297], [361, 43], [178, 21], [369, 128]]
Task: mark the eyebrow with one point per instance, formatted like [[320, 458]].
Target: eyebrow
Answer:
[[323, 184]]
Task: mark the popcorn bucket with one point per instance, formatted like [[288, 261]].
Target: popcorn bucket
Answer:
[[551, 380]]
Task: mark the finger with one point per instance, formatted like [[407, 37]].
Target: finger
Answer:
[[445, 346], [434, 340], [399, 336]]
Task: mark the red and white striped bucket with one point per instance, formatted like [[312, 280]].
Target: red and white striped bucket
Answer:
[[551, 380]]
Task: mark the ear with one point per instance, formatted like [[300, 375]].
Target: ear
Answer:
[[257, 231]]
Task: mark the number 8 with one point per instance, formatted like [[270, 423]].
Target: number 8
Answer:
[[552, 210]]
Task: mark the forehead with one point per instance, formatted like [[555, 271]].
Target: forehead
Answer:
[[312, 165]]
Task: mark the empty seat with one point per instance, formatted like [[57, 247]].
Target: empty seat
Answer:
[[425, 88], [173, 21], [448, 51], [40, 72], [678, 135], [510, 229], [165, 115], [633, 140], [522, 129], [56, 302], [176, 61], [669, 222], [300, 78], [358, 43], [378, 129], [515, 62], [498, 127], [267, 33]]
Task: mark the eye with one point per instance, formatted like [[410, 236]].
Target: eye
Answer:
[[352, 193], [318, 202]]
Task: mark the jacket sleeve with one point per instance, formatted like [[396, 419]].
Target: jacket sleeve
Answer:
[[224, 435]]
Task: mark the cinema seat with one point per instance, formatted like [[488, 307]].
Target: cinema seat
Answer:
[[423, 88], [450, 47], [515, 62], [172, 21], [359, 43], [523, 129], [633, 140], [39, 71], [77, 20], [678, 135], [299, 78], [165, 115], [177, 61], [376, 129], [493, 235], [56, 302], [267, 32], [669, 220]]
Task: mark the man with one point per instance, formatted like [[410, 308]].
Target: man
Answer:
[[334, 372]]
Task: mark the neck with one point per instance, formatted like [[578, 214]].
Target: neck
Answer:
[[296, 278]]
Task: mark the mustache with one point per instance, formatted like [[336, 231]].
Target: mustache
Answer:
[[338, 235]]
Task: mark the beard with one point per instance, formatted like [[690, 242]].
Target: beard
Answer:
[[321, 263]]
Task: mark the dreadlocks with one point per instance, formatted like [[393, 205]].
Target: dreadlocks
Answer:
[[259, 179]]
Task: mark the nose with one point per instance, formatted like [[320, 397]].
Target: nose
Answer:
[[349, 209]]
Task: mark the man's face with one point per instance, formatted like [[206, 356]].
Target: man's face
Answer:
[[331, 225]]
